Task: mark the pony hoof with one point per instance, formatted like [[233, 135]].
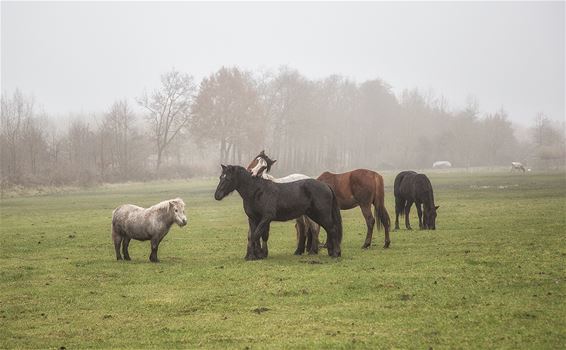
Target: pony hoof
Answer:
[[127, 258], [386, 245], [366, 245], [313, 252], [298, 252]]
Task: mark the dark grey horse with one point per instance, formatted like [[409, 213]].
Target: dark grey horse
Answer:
[[409, 188], [266, 201], [130, 221]]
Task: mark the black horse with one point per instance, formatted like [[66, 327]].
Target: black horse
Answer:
[[266, 201], [410, 188]]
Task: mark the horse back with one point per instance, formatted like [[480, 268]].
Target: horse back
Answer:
[[293, 199], [413, 186], [423, 188], [354, 187], [399, 179]]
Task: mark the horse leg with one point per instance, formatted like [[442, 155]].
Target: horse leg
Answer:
[[407, 211], [301, 236], [308, 234], [420, 215], [314, 230], [250, 254], [154, 245], [261, 231], [332, 233], [125, 244], [399, 207], [370, 222], [117, 239], [264, 250]]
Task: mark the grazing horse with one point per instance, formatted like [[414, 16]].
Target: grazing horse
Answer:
[[517, 166], [260, 166], [266, 201], [130, 221], [409, 188]]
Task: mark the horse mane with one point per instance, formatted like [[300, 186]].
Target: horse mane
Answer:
[[429, 192], [165, 204]]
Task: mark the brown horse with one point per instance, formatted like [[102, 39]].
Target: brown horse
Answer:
[[361, 187]]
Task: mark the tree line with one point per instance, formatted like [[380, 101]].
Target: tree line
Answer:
[[184, 129]]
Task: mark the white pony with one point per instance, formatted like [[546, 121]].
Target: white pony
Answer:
[[130, 221]]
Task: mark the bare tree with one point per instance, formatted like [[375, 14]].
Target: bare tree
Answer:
[[168, 109], [119, 122], [14, 112], [227, 110]]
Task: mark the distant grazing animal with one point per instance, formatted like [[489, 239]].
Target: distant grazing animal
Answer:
[[260, 166], [442, 164], [517, 166], [151, 224], [266, 201], [409, 188]]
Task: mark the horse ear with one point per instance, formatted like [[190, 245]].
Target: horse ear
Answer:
[[273, 161], [171, 205], [262, 152], [223, 166], [438, 206]]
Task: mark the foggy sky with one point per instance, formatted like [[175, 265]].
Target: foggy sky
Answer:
[[80, 57]]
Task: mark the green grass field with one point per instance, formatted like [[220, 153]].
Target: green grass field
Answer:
[[492, 275]]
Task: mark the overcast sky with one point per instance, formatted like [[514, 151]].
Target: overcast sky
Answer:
[[80, 57]]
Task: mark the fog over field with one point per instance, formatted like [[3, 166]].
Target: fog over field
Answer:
[[106, 92]]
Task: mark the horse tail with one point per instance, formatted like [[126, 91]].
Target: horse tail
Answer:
[[381, 214], [400, 207], [336, 217]]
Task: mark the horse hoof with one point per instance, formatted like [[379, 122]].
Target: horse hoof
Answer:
[[366, 245], [386, 245], [298, 252], [127, 258], [313, 252]]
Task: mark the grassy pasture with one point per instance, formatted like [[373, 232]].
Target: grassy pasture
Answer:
[[491, 276]]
